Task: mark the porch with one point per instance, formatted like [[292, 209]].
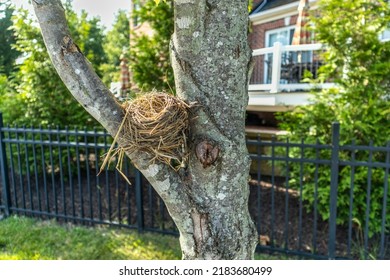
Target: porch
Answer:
[[278, 78]]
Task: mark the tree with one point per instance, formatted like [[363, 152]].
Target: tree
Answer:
[[208, 200], [149, 54], [36, 95], [89, 33], [8, 54], [116, 43], [358, 62]]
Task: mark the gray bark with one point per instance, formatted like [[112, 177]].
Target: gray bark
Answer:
[[208, 200]]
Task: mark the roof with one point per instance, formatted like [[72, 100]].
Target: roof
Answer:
[[270, 4]]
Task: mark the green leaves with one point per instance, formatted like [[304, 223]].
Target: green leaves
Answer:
[[359, 63], [115, 43], [36, 95], [8, 55], [149, 55]]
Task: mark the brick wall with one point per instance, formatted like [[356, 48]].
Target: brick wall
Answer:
[[257, 34], [257, 41]]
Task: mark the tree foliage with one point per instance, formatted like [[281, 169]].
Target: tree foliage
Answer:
[[358, 62], [89, 34], [37, 95], [150, 63], [116, 43], [8, 54], [210, 43]]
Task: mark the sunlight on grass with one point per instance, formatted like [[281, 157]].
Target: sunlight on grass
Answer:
[[24, 238], [28, 239]]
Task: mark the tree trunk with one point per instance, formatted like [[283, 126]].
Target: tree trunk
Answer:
[[210, 56], [208, 200]]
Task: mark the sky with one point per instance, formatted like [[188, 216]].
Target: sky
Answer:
[[105, 9]]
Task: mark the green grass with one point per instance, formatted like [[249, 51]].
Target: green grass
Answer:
[[29, 239], [24, 238]]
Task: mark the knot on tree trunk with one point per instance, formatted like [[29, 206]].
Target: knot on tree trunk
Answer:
[[207, 152], [69, 46]]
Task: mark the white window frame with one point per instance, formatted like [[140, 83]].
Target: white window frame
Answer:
[[385, 36], [267, 39], [271, 31]]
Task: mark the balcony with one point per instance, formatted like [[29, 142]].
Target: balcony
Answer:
[[277, 78]]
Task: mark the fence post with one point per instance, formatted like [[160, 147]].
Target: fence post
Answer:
[[333, 189], [4, 170], [139, 200]]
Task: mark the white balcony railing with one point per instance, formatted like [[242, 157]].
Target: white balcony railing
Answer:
[[281, 68]]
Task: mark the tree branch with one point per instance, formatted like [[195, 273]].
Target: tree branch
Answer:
[[74, 69], [84, 84]]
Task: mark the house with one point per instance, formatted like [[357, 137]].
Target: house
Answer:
[[271, 88], [281, 62], [276, 82]]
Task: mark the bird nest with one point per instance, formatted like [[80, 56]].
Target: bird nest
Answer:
[[155, 123]]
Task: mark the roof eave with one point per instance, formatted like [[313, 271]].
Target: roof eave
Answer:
[[278, 12]]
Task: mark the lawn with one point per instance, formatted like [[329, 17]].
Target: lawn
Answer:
[[23, 238]]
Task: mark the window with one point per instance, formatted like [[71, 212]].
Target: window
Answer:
[[293, 63], [281, 35], [385, 36]]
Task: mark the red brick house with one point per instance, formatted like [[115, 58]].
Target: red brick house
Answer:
[[271, 15], [276, 82], [280, 64]]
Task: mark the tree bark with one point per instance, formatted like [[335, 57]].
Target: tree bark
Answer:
[[208, 200]]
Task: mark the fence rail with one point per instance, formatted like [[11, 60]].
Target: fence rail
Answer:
[[53, 173]]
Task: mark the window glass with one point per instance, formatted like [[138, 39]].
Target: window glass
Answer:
[[282, 35], [385, 36]]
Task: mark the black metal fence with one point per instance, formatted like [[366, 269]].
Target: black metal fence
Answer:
[[53, 173]]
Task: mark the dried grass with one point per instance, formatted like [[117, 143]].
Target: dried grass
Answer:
[[155, 123]]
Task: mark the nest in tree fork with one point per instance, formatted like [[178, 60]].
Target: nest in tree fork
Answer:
[[155, 123]]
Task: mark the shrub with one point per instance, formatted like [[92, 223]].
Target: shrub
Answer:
[[358, 62]]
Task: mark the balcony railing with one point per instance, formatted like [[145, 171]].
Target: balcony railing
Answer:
[[282, 68]]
